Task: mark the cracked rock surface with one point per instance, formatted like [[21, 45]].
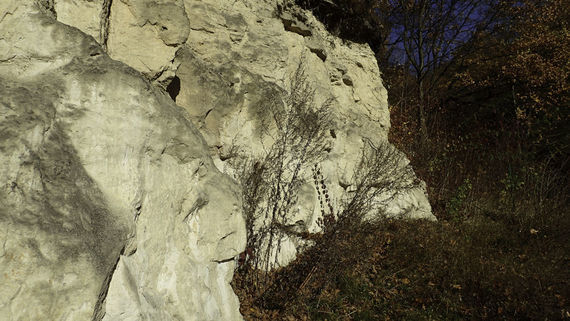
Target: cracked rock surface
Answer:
[[110, 205]]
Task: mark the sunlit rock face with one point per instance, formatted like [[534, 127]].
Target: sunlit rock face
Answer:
[[118, 120], [228, 62], [111, 207]]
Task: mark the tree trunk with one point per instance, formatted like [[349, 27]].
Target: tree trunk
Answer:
[[421, 71], [422, 115]]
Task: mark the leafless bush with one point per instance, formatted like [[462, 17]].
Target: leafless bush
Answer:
[[381, 175], [271, 183]]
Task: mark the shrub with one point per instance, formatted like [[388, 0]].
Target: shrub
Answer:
[[382, 174], [270, 183], [270, 187]]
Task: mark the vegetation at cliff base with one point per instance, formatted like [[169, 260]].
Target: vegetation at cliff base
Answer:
[[485, 125]]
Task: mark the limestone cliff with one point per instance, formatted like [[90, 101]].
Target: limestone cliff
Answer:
[[117, 120], [110, 206], [229, 63]]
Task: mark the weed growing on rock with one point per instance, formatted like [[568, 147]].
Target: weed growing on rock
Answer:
[[381, 175], [270, 183]]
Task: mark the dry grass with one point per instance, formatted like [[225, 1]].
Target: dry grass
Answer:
[[399, 270]]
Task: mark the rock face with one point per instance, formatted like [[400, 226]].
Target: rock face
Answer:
[[113, 204], [229, 63], [110, 205]]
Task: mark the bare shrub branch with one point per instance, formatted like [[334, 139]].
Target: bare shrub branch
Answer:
[[271, 186], [382, 174], [271, 182]]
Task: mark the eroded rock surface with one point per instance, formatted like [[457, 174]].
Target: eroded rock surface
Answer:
[[110, 205], [228, 62]]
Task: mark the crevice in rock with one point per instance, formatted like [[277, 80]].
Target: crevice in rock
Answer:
[[320, 53], [224, 261], [228, 235], [105, 22], [203, 30], [9, 58], [99, 311], [173, 88], [200, 203], [138, 209], [296, 27]]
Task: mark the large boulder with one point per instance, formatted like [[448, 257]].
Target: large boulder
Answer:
[[111, 207]]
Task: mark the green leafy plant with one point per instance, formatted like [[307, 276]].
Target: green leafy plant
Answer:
[[457, 203]]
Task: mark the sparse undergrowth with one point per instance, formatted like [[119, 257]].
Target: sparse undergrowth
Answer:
[[480, 269], [496, 166], [488, 258], [499, 251]]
